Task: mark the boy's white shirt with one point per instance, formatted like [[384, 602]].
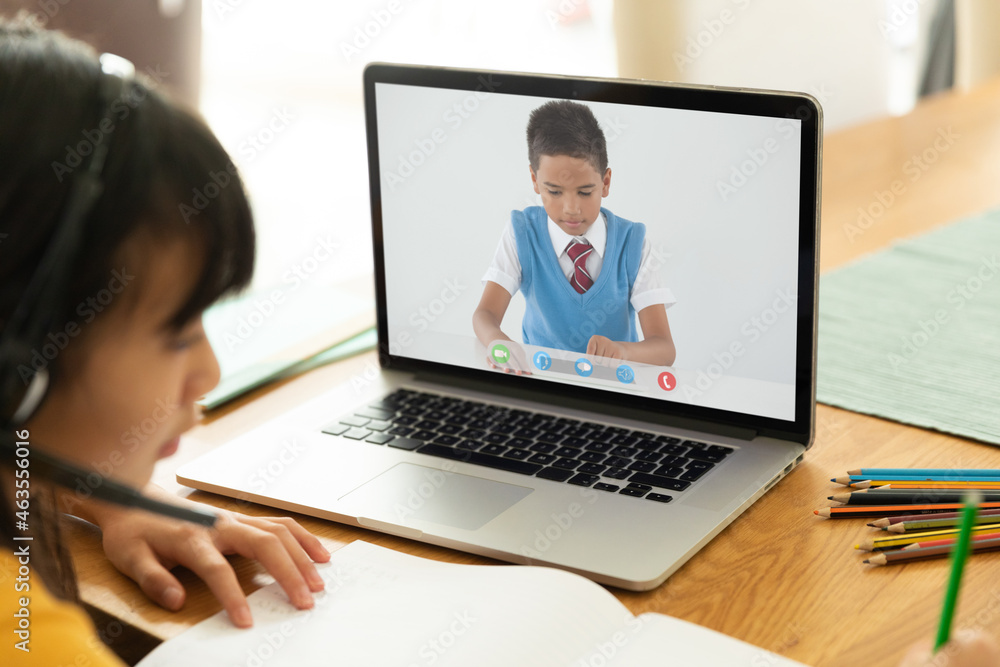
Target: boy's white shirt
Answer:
[[505, 269]]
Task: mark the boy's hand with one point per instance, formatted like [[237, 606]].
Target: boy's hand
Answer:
[[145, 547], [507, 356], [602, 346]]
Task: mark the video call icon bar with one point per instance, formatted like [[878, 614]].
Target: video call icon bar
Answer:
[[507, 355]]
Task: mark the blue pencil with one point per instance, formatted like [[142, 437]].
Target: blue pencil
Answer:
[[880, 473]]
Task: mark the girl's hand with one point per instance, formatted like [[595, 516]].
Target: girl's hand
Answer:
[[145, 547]]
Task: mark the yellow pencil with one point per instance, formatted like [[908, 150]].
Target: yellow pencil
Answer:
[[922, 536]]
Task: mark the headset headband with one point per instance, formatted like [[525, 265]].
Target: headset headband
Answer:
[[35, 313]]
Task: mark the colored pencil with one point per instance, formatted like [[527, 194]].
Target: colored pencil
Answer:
[[959, 472], [861, 511], [965, 486], [938, 523], [904, 555], [888, 521], [890, 490], [896, 541], [976, 537], [959, 556], [905, 497], [878, 481]]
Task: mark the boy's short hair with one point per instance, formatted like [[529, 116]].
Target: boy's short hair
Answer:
[[568, 128]]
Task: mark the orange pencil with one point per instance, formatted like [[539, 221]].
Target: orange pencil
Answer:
[[860, 511]]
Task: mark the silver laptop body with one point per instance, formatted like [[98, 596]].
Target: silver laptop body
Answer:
[[727, 184]]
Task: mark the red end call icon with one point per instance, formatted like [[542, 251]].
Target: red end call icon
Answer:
[[666, 381]]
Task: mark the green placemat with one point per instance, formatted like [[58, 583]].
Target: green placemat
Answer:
[[912, 333]]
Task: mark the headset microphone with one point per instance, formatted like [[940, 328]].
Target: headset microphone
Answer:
[[71, 476]]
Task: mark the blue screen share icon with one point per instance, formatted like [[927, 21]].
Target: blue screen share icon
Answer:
[[625, 374], [542, 361]]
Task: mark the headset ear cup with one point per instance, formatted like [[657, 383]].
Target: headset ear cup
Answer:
[[20, 394], [33, 397]]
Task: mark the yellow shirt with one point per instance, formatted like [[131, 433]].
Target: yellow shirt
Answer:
[[37, 628]]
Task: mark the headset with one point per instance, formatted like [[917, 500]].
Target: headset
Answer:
[[22, 387]]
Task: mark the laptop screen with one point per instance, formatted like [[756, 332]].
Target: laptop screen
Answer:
[[698, 205]]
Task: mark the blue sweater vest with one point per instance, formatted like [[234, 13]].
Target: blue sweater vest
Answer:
[[556, 315]]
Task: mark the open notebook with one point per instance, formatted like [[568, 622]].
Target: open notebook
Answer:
[[382, 607]]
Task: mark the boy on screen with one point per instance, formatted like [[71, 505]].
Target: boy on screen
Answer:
[[583, 270]]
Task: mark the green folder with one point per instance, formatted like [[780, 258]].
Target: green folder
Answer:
[[267, 335]]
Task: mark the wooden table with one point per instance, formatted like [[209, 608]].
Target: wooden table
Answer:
[[778, 577]]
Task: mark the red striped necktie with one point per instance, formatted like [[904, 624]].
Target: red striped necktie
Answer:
[[579, 251]]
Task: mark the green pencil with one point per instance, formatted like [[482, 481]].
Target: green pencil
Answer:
[[958, 558]]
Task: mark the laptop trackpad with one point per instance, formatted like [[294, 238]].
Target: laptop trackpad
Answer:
[[408, 492]]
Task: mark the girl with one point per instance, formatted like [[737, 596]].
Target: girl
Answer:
[[106, 265]]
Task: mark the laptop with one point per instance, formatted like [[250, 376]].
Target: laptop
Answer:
[[617, 470]]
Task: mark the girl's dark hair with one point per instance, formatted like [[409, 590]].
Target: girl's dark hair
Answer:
[[561, 127], [162, 167], [166, 177]]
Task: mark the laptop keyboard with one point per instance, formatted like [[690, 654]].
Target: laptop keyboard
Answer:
[[607, 458]]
